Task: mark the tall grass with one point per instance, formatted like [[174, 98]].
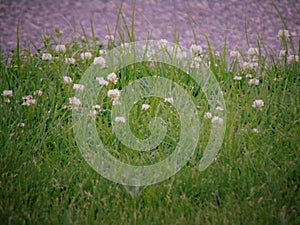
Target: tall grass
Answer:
[[45, 180]]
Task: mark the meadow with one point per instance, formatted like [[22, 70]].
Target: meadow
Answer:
[[46, 180]]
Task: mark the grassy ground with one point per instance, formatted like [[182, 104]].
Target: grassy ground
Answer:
[[254, 179]]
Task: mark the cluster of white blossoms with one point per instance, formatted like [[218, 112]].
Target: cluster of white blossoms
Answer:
[[79, 87], [109, 37], [86, 55], [114, 95], [96, 109], [7, 94], [29, 100], [112, 77], [102, 81], [120, 119], [70, 61], [258, 104], [292, 58], [169, 100], [68, 80], [253, 81], [283, 34], [145, 106], [46, 56], [214, 119], [196, 50], [100, 61], [235, 55], [60, 48], [74, 102]]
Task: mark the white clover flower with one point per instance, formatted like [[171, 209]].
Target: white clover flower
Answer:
[[217, 119], [120, 119], [38, 92], [75, 101], [253, 81], [70, 61], [79, 87], [246, 66], [145, 106], [46, 56], [248, 75], [102, 81], [283, 33], [282, 54], [237, 78], [60, 48], [109, 37], [7, 93], [114, 94], [93, 113], [102, 52], [196, 50], [253, 65], [255, 130], [21, 125], [170, 100], [96, 107], [86, 55], [112, 77], [219, 108], [68, 80], [100, 61], [29, 100], [253, 52], [258, 103], [234, 54], [292, 58], [217, 53], [207, 115], [7, 100]]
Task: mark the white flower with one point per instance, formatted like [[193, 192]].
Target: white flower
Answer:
[[248, 75], [70, 61], [282, 54], [60, 48], [234, 54], [219, 108], [96, 107], [116, 102], [145, 106], [253, 65], [109, 37], [78, 87], [255, 130], [102, 81], [102, 52], [114, 94], [8, 93], [21, 124], [217, 119], [196, 49], [38, 92], [112, 77], [207, 115], [246, 66], [253, 81], [29, 100], [120, 119], [253, 52], [86, 55], [75, 101], [100, 61], [93, 113], [68, 80], [258, 103], [283, 33], [46, 56], [237, 78], [170, 100], [292, 58]]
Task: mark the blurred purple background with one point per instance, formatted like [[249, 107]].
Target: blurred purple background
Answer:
[[160, 18]]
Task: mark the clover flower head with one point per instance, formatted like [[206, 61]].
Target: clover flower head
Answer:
[[60, 48]]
